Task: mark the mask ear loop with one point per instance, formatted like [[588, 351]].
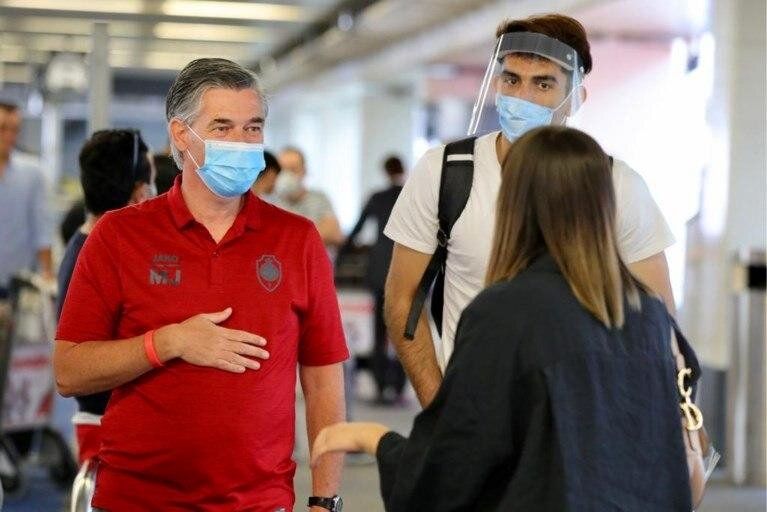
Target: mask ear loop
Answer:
[[189, 152]]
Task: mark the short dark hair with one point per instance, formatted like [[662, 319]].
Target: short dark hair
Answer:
[[271, 162], [8, 106], [111, 163], [557, 26], [166, 172], [393, 166]]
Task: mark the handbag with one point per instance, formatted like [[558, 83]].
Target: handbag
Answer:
[[701, 456]]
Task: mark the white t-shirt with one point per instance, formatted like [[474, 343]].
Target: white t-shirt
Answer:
[[642, 230]]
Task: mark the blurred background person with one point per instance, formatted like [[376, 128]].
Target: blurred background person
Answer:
[[293, 196], [25, 222], [387, 371], [166, 171], [114, 172], [264, 185]]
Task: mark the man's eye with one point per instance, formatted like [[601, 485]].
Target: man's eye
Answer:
[[544, 86], [254, 129]]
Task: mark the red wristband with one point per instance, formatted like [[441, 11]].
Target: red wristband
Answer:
[[150, 351]]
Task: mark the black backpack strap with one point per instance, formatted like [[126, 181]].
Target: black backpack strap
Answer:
[[454, 189]]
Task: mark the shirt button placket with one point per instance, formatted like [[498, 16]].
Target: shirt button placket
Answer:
[[216, 268]]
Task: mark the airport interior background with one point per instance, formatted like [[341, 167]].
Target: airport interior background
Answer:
[[677, 91]]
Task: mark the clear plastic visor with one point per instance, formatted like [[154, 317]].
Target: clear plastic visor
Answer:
[[533, 67]]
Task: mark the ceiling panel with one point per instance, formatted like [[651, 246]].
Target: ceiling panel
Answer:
[[156, 34]]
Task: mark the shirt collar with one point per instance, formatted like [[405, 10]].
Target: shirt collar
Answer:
[[178, 209], [251, 213], [249, 216]]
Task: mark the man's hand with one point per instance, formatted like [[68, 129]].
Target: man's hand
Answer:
[[199, 341]]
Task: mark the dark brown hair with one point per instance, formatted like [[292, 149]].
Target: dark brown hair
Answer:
[[557, 196], [562, 28], [393, 166]]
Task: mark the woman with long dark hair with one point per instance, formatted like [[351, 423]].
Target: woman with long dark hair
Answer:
[[560, 394]]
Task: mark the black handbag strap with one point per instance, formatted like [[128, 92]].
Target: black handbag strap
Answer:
[[687, 352], [454, 189]]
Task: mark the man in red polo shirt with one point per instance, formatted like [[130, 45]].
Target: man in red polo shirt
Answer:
[[196, 307]]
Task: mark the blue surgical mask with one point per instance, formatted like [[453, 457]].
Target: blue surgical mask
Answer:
[[519, 116], [230, 168]]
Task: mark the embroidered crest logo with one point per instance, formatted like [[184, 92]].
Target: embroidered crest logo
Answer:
[[165, 270], [269, 272]]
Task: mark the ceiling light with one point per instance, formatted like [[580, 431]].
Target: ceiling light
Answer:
[[50, 42], [235, 10], [105, 6], [200, 32], [84, 27]]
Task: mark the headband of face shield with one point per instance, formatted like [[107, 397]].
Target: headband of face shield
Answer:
[[530, 43]]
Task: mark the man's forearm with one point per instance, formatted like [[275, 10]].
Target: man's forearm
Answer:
[[324, 393], [417, 355], [330, 231], [94, 366]]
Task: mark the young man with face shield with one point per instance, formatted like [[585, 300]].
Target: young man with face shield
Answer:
[[195, 309], [536, 73]]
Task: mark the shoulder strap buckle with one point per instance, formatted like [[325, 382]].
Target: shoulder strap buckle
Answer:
[[442, 238]]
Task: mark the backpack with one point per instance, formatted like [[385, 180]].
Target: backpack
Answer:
[[454, 189]]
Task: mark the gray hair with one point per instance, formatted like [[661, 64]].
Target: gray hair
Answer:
[[185, 95]]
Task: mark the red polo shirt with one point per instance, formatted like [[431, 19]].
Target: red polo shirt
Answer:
[[184, 437]]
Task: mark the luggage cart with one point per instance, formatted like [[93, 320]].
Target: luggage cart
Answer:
[[27, 387]]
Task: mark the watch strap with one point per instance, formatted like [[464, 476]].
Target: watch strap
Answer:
[[321, 501]]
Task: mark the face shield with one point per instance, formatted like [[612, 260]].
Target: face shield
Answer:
[[530, 80]]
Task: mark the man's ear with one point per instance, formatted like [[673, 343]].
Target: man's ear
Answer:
[[581, 92], [177, 130]]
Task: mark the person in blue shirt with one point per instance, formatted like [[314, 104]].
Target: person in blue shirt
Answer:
[[25, 223]]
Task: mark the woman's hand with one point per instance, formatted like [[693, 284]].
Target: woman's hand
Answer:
[[348, 437]]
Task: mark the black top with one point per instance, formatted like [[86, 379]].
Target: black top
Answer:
[[379, 207], [543, 408], [96, 403], [73, 219]]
